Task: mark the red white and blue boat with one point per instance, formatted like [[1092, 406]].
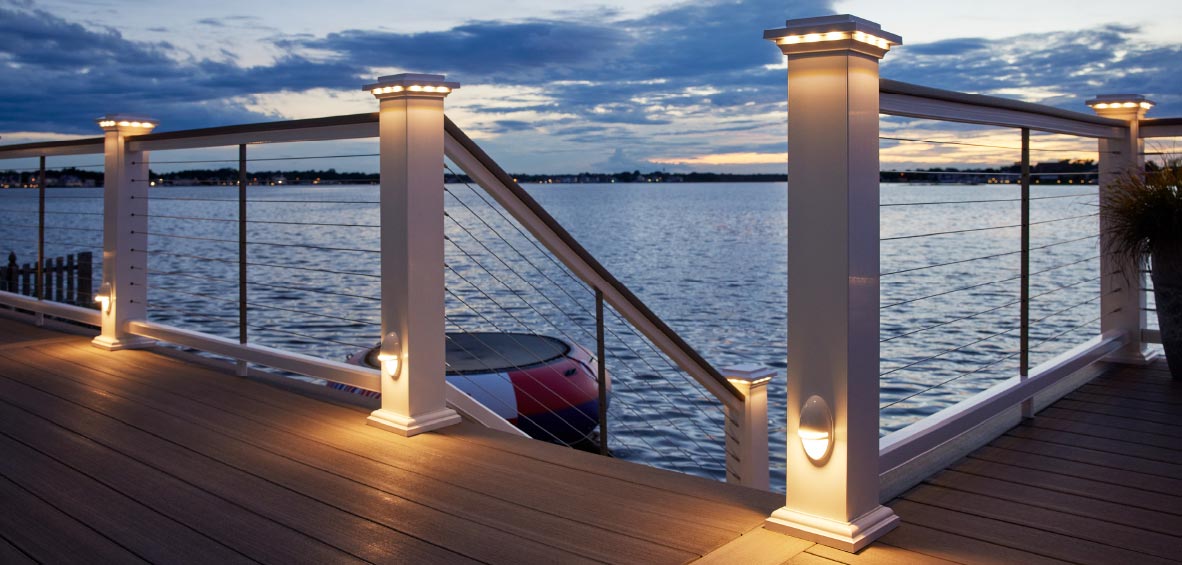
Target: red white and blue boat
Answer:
[[545, 386]]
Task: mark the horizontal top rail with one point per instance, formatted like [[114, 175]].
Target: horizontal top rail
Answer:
[[1161, 127], [560, 242], [351, 126], [87, 146], [912, 100]]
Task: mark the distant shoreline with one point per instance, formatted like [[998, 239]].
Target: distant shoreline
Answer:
[[1057, 172]]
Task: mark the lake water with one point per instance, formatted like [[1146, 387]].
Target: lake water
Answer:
[[710, 259]]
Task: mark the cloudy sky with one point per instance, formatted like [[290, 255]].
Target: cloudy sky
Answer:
[[565, 87]]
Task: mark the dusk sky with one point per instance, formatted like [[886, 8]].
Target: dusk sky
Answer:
[[582, 85]]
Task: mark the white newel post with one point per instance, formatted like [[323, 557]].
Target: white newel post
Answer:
[[123, 294], [746, 431], [1122, 303], [413, 339], [833, 280]]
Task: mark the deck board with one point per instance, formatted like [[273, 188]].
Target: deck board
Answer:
[[494, 473], [143, 456]]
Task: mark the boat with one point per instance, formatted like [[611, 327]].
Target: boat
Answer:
[[546, 386]]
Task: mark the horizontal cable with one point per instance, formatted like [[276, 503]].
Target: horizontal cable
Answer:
[[1052, 291], [62, 168], [61, 212], [1058, 243], [949, 232], [266, 306], [375, 226], [54, 242], [983, 367], [271, 201], [1067, 286], [234, 323], [1067, 309], [948, 202], [192, 218], [256, 160], [275, 222], [982, 258], [990, 174], [268, 243], [946, 352], [986, 257], [953, 321], [257, 201], [270, 265], [270, 285], [1064, 219], [963, 288], [54, 228], [940, 202]]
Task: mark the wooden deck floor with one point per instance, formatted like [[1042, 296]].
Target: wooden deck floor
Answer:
[[134, 456]]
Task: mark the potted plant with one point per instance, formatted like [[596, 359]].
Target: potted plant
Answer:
[[1143, 218]]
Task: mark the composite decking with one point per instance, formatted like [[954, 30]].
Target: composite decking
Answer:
[[137, 456]]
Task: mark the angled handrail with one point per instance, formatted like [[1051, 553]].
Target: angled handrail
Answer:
[[488, 174]]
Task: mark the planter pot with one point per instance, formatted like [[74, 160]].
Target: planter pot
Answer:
[[1167, 291]]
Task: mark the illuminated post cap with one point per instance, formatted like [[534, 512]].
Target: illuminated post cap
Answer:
[[833, 33], [410, 84], [113, 122], [1116, 104]]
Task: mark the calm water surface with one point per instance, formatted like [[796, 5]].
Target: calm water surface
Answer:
[[708, 258]]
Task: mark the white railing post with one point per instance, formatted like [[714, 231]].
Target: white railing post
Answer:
[[746, 430], [413, 339], [1122, 301], [123, 294], [833, 281]]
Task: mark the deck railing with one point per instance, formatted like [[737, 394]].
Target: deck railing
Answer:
[[228, 274], [846, 277]]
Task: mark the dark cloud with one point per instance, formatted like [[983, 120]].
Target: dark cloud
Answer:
[[605, 77], [57, 75], [611, 70], [1077, 64]]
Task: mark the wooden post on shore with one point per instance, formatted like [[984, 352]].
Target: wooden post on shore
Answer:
[[85, 279], [47, 282], [71, 271], [833, 281], [125, 238], [11, 273], [27, 272], [412, 311]]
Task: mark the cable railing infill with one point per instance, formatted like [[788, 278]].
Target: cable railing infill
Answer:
[[558, 326]]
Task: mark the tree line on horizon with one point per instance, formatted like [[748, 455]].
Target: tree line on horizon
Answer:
[[75, 177]]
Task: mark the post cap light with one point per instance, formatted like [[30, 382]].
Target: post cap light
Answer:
[[103, 297], [833, 33], [816, 429], [748, 375], [410, 84], [122, 122], [389, 354], [1119, 104]]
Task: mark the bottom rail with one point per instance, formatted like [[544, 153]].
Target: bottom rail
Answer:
[[908, 443]]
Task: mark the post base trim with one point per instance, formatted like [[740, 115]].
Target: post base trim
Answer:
[[846, 536], [1140, 359], [125, 342], [412, 425]]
